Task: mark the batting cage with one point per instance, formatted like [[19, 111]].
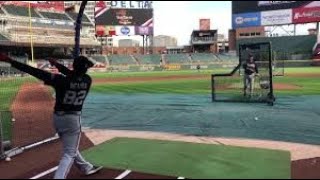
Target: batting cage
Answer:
[[251, 80]]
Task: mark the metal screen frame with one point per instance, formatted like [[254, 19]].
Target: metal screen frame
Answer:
[[270, 97]]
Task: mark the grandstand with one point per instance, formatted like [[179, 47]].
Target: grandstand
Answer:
[[177, 59], [73, 16], [52, 31], [148, 59], [56, 16], [3, 38], [20, 11], [204, 58], [1, 11], [227, 57], [100, 59], [121, 60]]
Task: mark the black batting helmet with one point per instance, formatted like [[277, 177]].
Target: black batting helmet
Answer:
[[81, 64]]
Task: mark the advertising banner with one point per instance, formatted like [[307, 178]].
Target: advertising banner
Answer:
[[143, 30], [276, 12], [239, 7], [127, 21], [306, 15], [246, 20], [277, 17], [125, 30]]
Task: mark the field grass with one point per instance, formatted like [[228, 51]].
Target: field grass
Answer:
[[308, 86], [190, 72], [174, 86], [195, 161], [303, 70], [155, 73], [8, 90]]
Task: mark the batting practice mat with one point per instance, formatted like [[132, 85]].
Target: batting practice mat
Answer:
[[235, 86], [196, 161]]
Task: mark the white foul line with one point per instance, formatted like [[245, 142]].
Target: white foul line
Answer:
[[121, 176], [45, 173], [124, 174]]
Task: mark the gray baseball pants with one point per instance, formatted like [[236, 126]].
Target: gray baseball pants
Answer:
[[68, 126]]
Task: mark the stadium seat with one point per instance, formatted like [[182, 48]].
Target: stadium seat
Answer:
[[56, 16], [204, 57], [121, 60], [149, 59], [20, 11], [177, 58]]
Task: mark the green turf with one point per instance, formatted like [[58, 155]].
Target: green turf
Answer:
[[303, 70], [8, 91], [196, 161], [175, 86], [155, 73], [6, 117], [307, 86], [190, 72]]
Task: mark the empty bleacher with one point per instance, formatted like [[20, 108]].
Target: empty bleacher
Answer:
[[56, 16], [100, 59], [149, 59], [20, 11], [1, 11], [74, 16], [204, 57], [121, 60], [3, 38], [177, 59], [227, 57]]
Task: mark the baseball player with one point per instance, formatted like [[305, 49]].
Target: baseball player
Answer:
[[250, 71], [71, 89]]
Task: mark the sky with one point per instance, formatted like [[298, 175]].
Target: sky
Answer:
[[180, 18]]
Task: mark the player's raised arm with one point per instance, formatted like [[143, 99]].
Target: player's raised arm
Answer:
[[61, 68], [37, 73]]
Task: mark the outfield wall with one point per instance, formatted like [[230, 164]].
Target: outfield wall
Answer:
[[177, 67]]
